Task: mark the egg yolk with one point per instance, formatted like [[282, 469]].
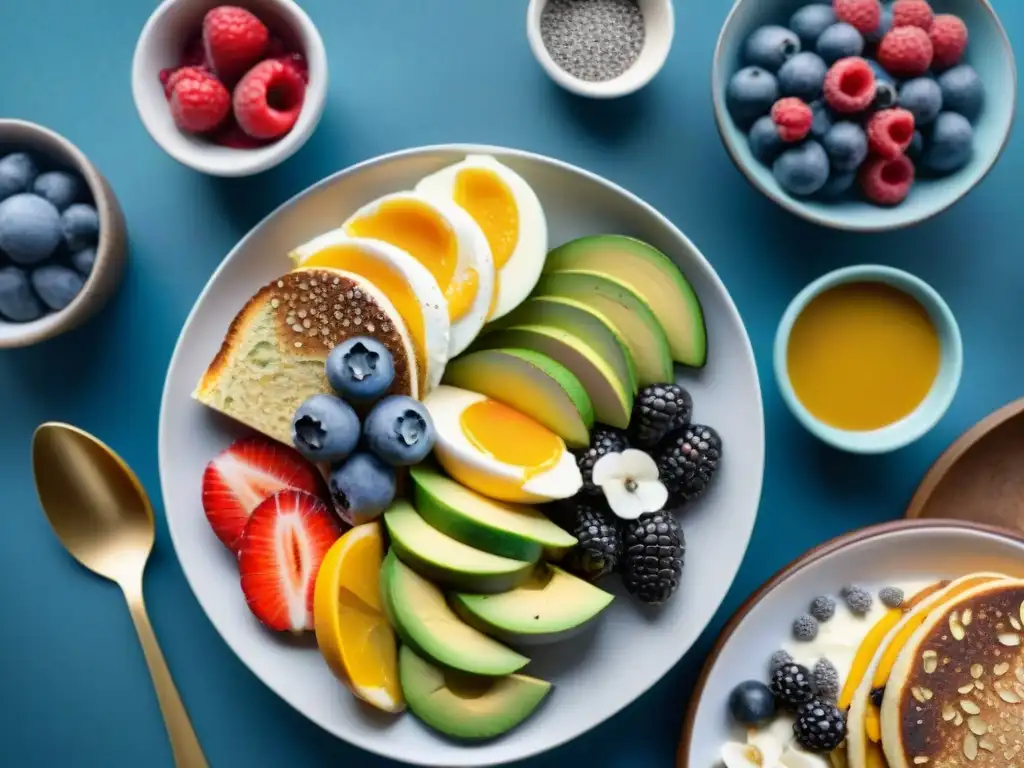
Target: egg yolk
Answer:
[[423, 233], [510, 437], [390, 281], [488, 199]]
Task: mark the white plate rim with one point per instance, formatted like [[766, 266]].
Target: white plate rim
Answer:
[[464, 148]]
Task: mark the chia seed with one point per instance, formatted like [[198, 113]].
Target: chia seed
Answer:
[[891, 597], [593, 40], [823, 608], [778, 659], [805, 628], [826, 681]]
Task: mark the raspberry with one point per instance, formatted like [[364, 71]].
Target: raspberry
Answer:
[[890, 132], [234, 40], [268, 99], [850, 85], [949, 39], [912, 13], [199, 101], [792, 118], [865, 15], [906, 52], [887, 182]]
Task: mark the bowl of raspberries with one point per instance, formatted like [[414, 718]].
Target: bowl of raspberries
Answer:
[[864, 115], [230, 90]]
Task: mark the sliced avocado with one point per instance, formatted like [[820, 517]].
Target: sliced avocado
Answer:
[[576, 317], [552, 605], [464, 706], [423, 620], [449, 562], [642, 333], [533, 384], [509, 530], [612, 397], [652, 275]]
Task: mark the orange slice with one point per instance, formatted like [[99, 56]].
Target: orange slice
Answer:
[[353, 633]]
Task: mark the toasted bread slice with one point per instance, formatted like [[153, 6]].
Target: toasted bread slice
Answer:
[[273, 355]]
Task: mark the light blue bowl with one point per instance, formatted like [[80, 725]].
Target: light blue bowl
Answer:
[[988, 51], [935, 403]]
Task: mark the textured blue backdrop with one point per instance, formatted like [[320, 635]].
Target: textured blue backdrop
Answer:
[[73, 685]]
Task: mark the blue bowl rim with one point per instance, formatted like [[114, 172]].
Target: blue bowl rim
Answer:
[[892, 436], [797, 207]]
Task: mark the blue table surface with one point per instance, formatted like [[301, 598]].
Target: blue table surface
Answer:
[[73, 685]]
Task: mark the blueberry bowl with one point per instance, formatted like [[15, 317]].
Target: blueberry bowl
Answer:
[[842, 204], [63, 240]]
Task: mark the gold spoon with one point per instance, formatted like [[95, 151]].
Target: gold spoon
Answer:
[[102, 516]]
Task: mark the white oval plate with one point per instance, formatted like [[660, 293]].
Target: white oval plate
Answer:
[[905, 551], [591, 682]]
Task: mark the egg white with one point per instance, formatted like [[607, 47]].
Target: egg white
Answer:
[[474, 253], [433, 307], [518, 276], [463, 461]]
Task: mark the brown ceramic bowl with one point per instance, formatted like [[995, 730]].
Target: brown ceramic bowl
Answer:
[[111, 251], [980, 477]]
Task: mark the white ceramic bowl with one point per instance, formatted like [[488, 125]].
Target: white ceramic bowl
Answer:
[[160, 45], [659, 29], [592, 682], [905, 551]]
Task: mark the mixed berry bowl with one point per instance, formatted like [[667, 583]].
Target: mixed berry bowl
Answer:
[[864, 115], [230, 88]]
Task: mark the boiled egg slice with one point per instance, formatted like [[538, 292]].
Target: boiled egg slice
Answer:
[[448, 242], [405, 281], [498, 451], [510, 214]]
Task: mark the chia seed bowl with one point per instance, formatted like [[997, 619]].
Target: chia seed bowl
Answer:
[[601, 49]]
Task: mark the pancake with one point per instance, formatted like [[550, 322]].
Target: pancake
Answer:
[[272, 357], [955, 697], [863, 747]]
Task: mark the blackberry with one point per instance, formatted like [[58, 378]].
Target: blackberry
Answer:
[[859, 600], [658, 410], [688, 460], [823, 608], [653, 547], [826, 681], [778, 659], [805, 628], [791, 685], [819, 727], [891, 597], [877, 694], [603, 440], [598, 539]]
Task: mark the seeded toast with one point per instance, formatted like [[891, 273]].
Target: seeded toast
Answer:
[[273, 354]]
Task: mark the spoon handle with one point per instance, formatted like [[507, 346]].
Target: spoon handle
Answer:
[[184, 744]]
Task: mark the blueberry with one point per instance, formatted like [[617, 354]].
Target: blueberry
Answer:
[[802, 170], [57, 286], [838, 184], [751, 703], [17, 302], [29, 228], [916, 146], [886, 95], [922, 97], [765, 142], [83, 261], [962, 91], [822, 119], [325, 428], [400, 431], [883, 27], [949, 146], [17, 171], [751, 93], [769, 47], [360, 369], [59, 187], [810, 21], [881, 73], [362, 488], [803, 76], [81, 226], [846, 145], [840, 41]]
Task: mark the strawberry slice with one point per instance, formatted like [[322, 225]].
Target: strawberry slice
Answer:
[[285, 540], [242, 476]]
